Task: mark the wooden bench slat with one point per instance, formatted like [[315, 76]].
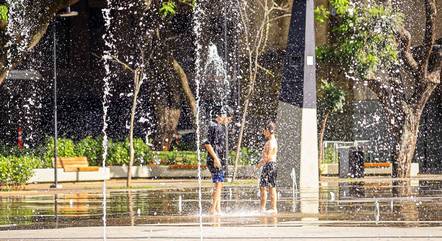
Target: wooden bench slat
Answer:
[[75, 164], [88, 169], [377, 164]]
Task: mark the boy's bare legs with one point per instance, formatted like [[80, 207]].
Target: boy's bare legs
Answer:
[[219, 187], [212, 208], [263, 192], [273, 199], [216, 198]]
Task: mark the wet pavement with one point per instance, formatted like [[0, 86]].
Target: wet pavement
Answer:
[[243, 233], [382, 204]]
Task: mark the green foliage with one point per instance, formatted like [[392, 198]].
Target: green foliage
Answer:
[[331, 97], [330, 155], [118, 152], [341, 7], [184, 145], [15, 151], [321, 14], [248, 156], [4, 12], [16, 171], [169, 8], [324, 53], [90, 148], [180, 157], [143, 153], [65, 148], [364, 42]]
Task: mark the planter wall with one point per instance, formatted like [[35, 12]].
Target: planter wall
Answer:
[[329, 169], [47, 175], [159, 171], [137, 171], [165, 171], [333, 169]]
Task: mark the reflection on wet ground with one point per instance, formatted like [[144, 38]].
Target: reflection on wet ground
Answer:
[[359, 204]]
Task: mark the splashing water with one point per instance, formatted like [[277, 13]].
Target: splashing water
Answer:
[[198, 14], [294, 189], [19, 29], [109, 44], [216, 85], [180, 204], [216, 74], [377, 211]]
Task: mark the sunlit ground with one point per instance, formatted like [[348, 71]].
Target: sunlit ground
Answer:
[[340, 204]]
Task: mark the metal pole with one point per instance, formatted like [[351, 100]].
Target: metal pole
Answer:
[[54, 52], [226, 65]]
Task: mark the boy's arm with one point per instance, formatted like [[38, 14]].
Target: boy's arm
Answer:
[[264, 158], [216, 161], [268, 152]]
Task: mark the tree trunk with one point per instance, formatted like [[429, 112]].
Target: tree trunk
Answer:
[[167, 119], [407, 138], [321, 136], [43, 11], [137, 86], [240, 137], [407, 143], [185, 85]]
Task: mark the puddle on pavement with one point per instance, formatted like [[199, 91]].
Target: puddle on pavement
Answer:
[[347, 204]]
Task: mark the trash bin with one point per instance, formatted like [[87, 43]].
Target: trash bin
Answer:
[[344, 164], [356, 159], [394, 167]]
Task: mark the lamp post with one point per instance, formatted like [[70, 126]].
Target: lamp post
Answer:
[[65, 14]]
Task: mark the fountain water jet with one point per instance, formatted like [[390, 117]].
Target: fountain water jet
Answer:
[[198, 14], [108, 39]]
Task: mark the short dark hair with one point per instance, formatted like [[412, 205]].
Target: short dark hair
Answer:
[[221, 110], [271, 127]]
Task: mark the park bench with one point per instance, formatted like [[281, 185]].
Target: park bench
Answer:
[[376, 164], [378, 168], [75, 164]]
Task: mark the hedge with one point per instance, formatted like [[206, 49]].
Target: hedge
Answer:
[[16, 171]]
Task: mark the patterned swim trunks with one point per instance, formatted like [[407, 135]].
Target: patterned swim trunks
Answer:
[[268, 175]]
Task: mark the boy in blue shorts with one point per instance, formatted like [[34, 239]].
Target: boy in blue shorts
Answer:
[[216, 147]]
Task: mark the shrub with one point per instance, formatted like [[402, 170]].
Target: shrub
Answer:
[[16, 171], [180, 157], [65, 148], [191, 157], [143, 153], [330, 155], [90, 148], [119, 152], [248, 156]]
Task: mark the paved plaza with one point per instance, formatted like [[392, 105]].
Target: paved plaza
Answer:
[[285, 231]]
